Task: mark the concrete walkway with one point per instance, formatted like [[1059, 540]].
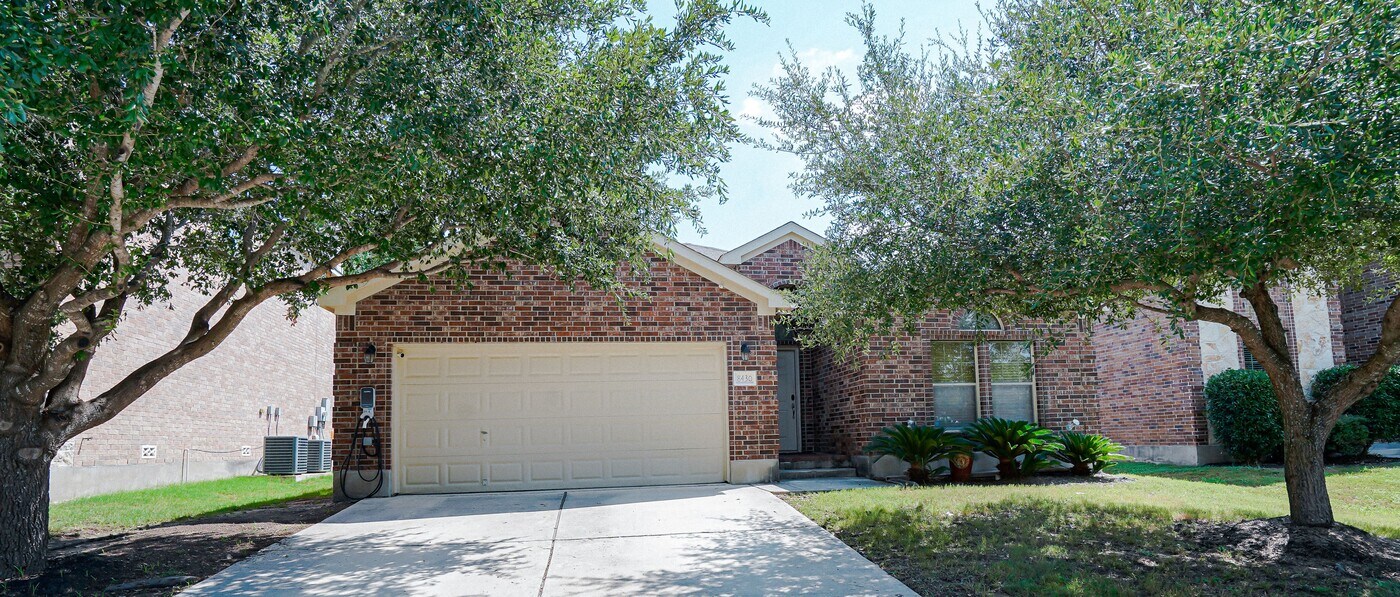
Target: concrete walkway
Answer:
[[698, 539]]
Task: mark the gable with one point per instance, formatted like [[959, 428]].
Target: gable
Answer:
[[791, 231]]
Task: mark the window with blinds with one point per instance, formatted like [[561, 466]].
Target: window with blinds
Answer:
[[1012, 366], [1249, 362], [954, 383]]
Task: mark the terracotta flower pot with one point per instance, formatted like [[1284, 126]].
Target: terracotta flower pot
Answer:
[[960, 467]]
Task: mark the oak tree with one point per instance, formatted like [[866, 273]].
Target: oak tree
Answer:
[[270, 150], [1106, 158]]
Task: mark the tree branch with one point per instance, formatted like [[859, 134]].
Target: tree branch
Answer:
[[1364, 380]]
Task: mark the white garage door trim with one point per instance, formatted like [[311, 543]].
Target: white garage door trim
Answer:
[[604, 368]]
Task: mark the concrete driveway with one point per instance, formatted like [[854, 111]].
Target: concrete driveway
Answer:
[[698, 539]]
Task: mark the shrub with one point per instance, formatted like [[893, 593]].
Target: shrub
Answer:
[[1087, 453], [1381, 409], [1350, 438], [1245, 416], [917, 445], [1008, 440]]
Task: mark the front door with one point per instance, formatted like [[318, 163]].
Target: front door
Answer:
[[789, 402]]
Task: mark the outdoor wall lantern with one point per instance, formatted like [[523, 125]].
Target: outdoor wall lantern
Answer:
[[744, 348], [369, 353]]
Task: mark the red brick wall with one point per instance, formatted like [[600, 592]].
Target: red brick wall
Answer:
[[855, 399], [1150, 386], [531, 305], [1361, 315], [1151, 382], [778, 266], [837, 404]]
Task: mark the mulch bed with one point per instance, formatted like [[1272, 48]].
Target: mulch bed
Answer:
[[1339, 550], [197, 548]]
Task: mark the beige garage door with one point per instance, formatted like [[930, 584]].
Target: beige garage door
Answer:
[[500, 417]]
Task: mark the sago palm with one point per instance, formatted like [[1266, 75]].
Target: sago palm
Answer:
[[1087, 453], [1007, 440], [917, 445]]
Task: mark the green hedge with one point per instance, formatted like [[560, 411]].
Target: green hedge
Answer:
[[1350, 437], [1381, 409], [1245, 415]]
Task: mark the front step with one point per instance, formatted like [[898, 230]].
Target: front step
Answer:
[[815, 473], [789, 462]]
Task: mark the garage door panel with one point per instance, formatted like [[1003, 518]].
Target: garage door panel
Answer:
[[505, 366], [458, 474], [421, 368], [462, 366], [558, 416], [461, 404], [423, 403]]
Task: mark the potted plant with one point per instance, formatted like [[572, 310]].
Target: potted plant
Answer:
[[1087, 453], [1008, 440], [917, 445], [960, 463]]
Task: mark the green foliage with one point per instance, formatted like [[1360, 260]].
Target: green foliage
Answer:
[[1087, 155], [566, 133], [1245, 416], [1008, 440], [1381, 409], [1350, 438], [1096, 158], [1088, 453], [917, 445]]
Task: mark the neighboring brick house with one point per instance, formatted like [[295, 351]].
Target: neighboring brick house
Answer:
[[1362, 310], [1152, 378], [194, 424], [519, 382]]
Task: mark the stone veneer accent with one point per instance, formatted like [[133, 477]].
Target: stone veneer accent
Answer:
[[528, 304]]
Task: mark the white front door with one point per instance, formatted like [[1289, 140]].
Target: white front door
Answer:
[[789, 402], [558, 415]]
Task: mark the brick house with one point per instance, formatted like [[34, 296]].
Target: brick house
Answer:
[[1151, 380], [519, 382], [194, 424], [1362, 310]]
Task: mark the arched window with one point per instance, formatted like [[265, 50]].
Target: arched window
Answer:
[[977, 321]]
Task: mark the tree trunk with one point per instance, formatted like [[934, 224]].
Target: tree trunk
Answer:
[[1303, 471], [24, 511], [1305, 434]]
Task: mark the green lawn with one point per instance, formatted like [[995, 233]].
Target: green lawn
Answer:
[[134, 509], [1094, 538]]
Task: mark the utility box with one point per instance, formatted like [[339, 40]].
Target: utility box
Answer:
[[319, 456], [285, 455]]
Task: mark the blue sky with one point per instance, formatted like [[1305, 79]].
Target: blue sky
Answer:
[[759, 197]]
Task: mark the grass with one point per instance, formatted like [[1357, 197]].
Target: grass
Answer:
[[135, 509], [1094, 538]]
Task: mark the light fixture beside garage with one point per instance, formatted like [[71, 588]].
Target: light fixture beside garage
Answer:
[[745, 349], [369, 353]]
